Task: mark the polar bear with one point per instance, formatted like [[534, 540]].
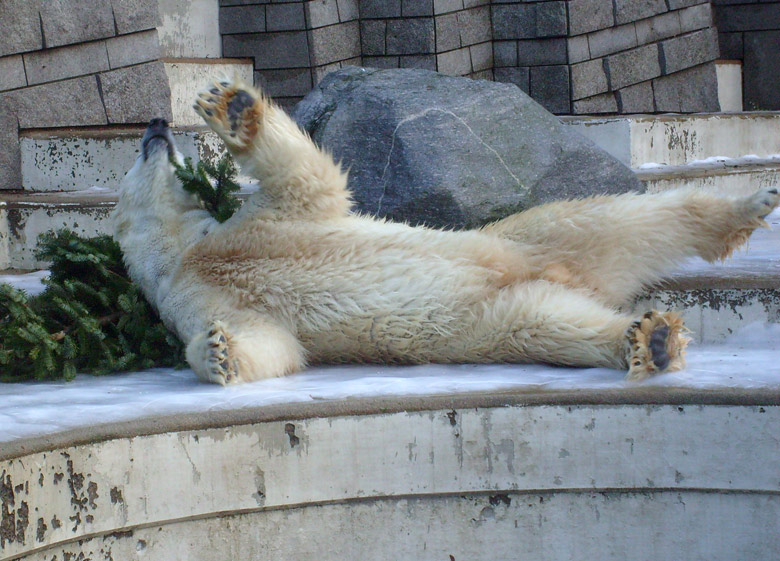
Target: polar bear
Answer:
[[295, 278]]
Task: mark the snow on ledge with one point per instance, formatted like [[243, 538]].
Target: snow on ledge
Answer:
[[748, 360]]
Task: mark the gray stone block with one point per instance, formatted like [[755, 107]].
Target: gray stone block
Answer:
[[549, 86], [602, 103], [730, 45], [481, 56], [382, 62], [659, 27], [243, 2], [612, 40], [349, 10], [372, 36], [320, 13], [66, 22], [632, 67], [690, 50], [588, 79], [135, 15], [696, 17], [454, 63], [447, 33], [761, 78], [590, 15], [334, 43], [423, 62], [319, 72], [474, 3], [579, 50], [677, 4], [69, 103], [514, 21], [380, 9], [285, 17], [446, 6], [10, 152], [451, 152], [693, 90], [636, 99], [66, 62], [12, 73], [474, 26], [540, 52], [241, 19], [482, 74], [409, 36], [519, 76], [21, 27], [135, 48], [505, 53], [550, 19], [748, 17], [285, 83], [632, 10], [136, 94], [414, 8], [270, 50]]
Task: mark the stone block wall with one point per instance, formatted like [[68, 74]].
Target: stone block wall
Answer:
[[645, 56], [450, 36], [749, 31], [293, 44], [530, 50], [75, 63]]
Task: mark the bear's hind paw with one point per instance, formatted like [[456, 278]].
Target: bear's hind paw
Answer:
[[211, 358], [656, 345], [233, 111]]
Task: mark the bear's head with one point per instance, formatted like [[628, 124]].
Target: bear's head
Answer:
[[152, 181]]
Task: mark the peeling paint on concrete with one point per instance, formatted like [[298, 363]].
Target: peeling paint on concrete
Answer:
[[516, 467]]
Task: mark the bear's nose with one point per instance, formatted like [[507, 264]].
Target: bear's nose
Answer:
[[158, 124]]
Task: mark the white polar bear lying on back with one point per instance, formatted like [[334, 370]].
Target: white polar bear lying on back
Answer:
[[294, 278]]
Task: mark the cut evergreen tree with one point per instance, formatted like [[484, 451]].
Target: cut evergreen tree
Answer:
[[90, 318]]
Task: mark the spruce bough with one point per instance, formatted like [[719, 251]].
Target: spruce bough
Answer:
[[91, 318]]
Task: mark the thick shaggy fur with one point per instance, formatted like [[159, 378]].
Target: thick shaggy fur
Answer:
[[294, 278]]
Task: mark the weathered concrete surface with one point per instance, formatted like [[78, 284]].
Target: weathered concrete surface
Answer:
[[452, 152], [78, 159], [680, 139], [549, 480], [189, 29]]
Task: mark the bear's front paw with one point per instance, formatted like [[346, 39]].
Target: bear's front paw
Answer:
[[656, 345], [233, 111]]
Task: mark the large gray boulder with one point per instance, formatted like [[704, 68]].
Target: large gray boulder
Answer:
[[425, 148]]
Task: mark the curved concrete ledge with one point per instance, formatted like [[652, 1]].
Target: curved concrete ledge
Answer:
[[639, 473]]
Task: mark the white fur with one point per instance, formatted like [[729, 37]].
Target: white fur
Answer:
[[293, 277]]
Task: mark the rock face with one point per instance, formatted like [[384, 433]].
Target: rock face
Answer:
[[430, 149]]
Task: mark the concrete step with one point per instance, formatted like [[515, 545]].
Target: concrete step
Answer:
[[726, 176], [80, 159], [681, 139]]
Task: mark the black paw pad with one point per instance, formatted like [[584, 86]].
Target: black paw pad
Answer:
[[240, 101], [657, 347]]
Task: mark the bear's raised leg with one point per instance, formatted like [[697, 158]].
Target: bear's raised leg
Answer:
[[616, 246], [299, 180], [547, 322], [226, 355]]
